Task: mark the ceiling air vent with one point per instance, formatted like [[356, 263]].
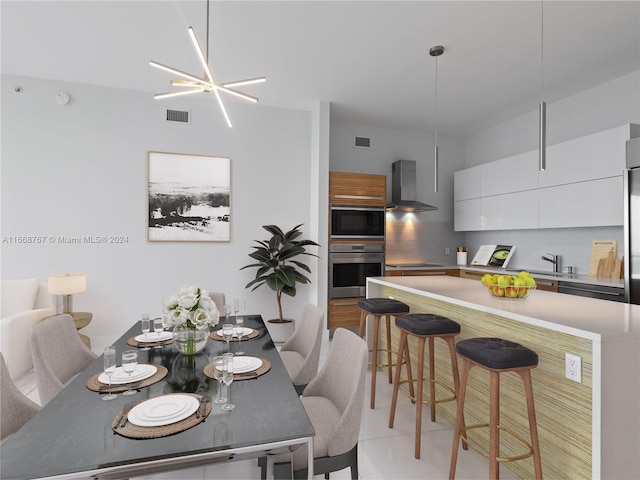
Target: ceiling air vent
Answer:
[[178, 116], [362, 142]]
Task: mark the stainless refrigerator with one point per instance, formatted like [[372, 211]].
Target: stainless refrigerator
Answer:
[[632, 223]]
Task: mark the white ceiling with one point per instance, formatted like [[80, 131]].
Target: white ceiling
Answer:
[[370, 59]]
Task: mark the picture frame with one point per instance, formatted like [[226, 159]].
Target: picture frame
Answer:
[[188, 197]]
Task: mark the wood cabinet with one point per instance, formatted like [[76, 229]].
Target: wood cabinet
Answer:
[[357, 189], [352, 189], [430, 272], [343, 312]]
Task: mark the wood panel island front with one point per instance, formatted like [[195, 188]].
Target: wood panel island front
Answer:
[[587, 430]]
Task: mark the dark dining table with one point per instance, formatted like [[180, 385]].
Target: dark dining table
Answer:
[[72, 437]]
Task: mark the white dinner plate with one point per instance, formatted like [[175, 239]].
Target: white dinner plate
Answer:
[[246, 364], [120, 376], [153, 337], [247, 331], [163, 410]]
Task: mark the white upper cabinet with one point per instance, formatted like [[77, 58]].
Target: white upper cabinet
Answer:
[[581, 187], [510, 211], [595, 203], [508, 175], [467, 215], [466, 184], [599, 155]]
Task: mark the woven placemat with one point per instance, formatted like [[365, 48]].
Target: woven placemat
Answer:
[[209, 371], [254, 333], [132, 342], [95, 385], [130, 430]]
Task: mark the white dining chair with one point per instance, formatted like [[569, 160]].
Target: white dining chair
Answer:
[[219, 299], [333, 401], [301, 352], [59, 355], [15, 408]]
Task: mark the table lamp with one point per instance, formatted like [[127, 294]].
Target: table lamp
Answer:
[[66, 284]]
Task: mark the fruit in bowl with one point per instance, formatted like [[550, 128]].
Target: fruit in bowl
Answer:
[[514, 287]]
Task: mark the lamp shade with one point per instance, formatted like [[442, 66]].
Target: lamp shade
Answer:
[[67, 283]]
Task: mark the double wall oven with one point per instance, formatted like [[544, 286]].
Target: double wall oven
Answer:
[[349, 267]]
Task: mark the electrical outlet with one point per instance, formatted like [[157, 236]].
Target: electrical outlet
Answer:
[[447, 251], [573, 367]]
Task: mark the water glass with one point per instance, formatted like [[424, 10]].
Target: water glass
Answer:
[[218, 372], [227, 334], [109, 368], [146, 327], [239, 333], [158, 328], [129, 365], [227, 378]]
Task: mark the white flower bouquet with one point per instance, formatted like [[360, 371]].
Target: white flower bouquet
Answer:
[[192, 308]]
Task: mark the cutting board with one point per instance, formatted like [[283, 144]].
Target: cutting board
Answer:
[[601, 249]]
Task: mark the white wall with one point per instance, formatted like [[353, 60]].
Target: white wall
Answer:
[[81, 169], [609, 105], [432, 231]]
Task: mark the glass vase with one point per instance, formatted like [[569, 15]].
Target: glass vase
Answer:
[[189, 341]]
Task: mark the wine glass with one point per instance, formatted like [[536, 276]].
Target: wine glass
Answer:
[[236, 306], [227, 334], [218, 366], [109, 368], [227, 378], [239, 333], [146, 327], [228, 311], [129, 365]]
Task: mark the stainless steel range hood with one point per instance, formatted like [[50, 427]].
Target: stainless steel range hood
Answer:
[[403, 189]]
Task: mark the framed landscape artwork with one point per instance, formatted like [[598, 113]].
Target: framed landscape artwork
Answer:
[[188, 198]]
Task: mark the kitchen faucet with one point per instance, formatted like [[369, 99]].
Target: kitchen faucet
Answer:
[[555, 260]]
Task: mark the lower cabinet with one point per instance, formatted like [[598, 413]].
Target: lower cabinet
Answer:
[[343, 312]]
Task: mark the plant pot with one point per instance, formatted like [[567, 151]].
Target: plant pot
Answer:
[[280, 331], [189, 341]]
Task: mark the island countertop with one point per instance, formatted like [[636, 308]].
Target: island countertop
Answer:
[[593, 319]]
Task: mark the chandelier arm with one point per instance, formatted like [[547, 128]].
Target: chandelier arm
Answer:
[[244, 96], [186, 75], [248, 81], [222, 107], [200, 54], [159, 96]]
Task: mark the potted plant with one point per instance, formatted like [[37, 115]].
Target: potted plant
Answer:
[[276, 264]]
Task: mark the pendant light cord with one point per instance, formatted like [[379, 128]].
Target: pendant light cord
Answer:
[[207, 47], [542, 110]]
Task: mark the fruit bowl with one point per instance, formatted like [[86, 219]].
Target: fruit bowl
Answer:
[[509, 292]]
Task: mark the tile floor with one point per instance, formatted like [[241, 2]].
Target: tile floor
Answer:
[[383, 453]]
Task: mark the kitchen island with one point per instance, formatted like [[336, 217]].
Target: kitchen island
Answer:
[[589, 429]]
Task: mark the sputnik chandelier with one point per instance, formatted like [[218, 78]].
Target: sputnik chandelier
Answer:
[[194, 84]]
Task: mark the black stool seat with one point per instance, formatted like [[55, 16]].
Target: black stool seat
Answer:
[[497, 353], [383, 305], [427, 324]]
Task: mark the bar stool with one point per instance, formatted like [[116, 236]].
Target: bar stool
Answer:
[[423, 326], [497, 356], [379, 307]]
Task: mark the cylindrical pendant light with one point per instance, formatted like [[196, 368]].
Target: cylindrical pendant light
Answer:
[[542, 108], [436, 52]]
